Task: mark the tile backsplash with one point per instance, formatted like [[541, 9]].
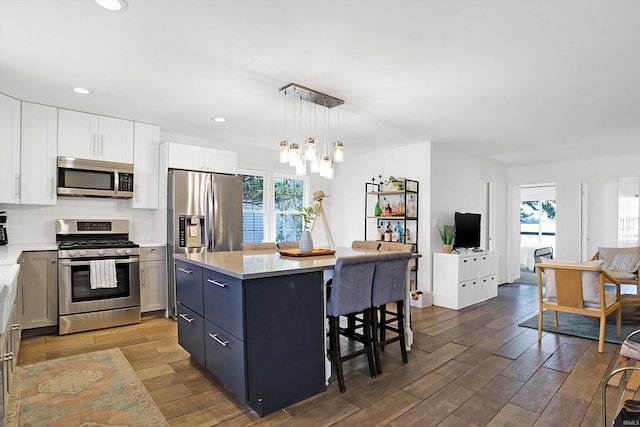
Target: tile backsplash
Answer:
[[29, 224]]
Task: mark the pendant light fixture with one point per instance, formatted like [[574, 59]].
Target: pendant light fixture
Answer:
[[298, 150]]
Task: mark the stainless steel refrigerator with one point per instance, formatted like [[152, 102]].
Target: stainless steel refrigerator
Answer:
[[204, 214]]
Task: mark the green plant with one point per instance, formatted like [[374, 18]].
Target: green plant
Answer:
[[309, 215], [447, 234]]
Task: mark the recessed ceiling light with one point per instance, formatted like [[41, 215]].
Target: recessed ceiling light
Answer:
[[219, 119], [81, 91], [113, 5]]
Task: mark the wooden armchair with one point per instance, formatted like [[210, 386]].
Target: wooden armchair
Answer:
[[578, 288], [608, 255]]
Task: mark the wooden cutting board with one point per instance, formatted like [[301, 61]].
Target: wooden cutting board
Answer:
[[314, 252]]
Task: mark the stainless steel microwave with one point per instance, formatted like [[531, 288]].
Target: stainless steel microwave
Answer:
[[94, 178]]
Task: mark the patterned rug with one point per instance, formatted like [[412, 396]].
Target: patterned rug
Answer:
[[578, 325], [91, 389]]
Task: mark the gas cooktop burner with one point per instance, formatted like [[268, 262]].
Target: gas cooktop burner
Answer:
[[97, 243]]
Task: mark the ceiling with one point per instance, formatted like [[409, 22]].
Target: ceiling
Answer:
[[520, 82]]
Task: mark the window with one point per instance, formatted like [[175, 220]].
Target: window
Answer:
[[288, 199], [271, 207], [538, 221], [253, 208]]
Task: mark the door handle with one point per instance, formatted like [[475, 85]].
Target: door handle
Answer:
[[184, 270]]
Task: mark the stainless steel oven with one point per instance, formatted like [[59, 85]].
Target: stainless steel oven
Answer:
[[82, 246]]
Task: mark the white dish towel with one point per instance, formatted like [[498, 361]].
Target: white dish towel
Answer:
[[102, 274]]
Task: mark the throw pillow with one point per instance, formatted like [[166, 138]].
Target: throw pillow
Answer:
[[625, 262], [590, 281]]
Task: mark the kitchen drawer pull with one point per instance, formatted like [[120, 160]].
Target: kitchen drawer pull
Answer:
[[215, 282], [215, 337], [184, 270], [8, 356], [184, 316]]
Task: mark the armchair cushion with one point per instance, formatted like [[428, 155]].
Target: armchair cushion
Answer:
[[590, 282], [627, 262]]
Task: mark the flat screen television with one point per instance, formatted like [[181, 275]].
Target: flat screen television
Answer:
[[467, 230]]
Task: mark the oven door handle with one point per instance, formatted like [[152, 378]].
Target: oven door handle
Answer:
[[118, 261]]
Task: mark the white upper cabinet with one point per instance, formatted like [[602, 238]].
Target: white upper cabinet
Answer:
[[38, 165], [89, 136], [10, 149], [193, 157], [220, 161], [145, 169]]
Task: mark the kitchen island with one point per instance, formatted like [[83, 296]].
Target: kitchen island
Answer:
[[256, 321]]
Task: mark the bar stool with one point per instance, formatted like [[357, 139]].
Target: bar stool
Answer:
[[365, 244], [258, 246], [288, 245], [388, 287], [351, 293], [383, 312]]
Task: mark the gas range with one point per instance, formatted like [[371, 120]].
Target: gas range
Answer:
[[94, 239]]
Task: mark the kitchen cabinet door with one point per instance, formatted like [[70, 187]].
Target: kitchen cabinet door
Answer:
[[39, 273], [39, 150], [10, 149], [220, 161], [89, 136], [146, 151], [153, 279], [77, 134], [187, 157], [116, 140]]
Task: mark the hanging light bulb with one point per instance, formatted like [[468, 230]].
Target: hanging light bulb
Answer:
[[314, 165], [338, 151], [294, 154], [301, 166], [325, 166], [284, 152], [310, 149]]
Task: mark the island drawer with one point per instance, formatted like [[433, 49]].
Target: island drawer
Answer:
[[189, 286], [225, 359], [191, 333], [223, 302]]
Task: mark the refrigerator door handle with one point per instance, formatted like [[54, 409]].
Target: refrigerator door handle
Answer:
[[208, 215]]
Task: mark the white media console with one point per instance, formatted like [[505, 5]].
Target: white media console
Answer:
[[461, 280]]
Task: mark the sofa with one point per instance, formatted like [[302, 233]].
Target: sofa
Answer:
[[621, 263]]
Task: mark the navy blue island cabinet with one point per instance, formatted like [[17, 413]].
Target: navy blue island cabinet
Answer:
[[261, 335]]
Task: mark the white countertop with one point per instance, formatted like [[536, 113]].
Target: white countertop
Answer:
[[9, 254], [263, 263]]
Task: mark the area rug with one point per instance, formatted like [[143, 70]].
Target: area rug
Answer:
[[91, 389], [578, 325]]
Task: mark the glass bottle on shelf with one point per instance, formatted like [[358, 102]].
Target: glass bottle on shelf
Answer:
[[394, 234], [387, 233], [411, 207], [401, 207], [383, 211], [388, 210], [380, 232], [399, 231], [377, 210]]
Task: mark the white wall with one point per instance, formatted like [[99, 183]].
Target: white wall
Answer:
[[457, 184], [568, 178], [345, 208]]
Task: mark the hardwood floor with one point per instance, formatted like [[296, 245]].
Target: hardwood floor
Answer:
[[472, 367]]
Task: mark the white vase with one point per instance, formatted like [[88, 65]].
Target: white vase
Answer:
[[306, 242]]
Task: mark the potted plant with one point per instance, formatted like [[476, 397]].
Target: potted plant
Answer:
[[309, 215], [447, 233]]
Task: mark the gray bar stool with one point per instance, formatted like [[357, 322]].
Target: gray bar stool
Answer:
[[388, 287], [257, 246], [350, 292]]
